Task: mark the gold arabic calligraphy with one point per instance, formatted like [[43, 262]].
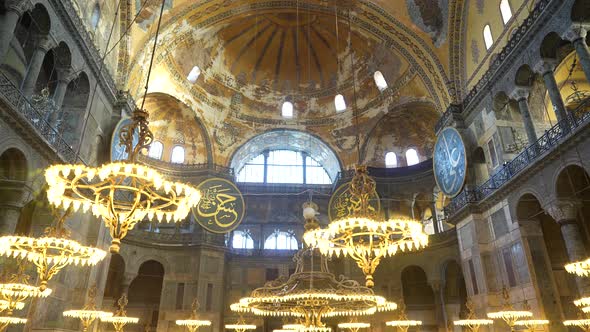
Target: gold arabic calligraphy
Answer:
[[218, 205]]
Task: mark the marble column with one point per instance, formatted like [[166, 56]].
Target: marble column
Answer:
[[63, 79], [43, 45], [521, 94], [14, 10], [545, 68], [439, 305], [435, 218], [564, 211], [9, 215], [577, 35]]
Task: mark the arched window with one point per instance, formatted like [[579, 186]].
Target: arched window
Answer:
[[177, 155], [284, 166], [339, 103], [412, 157], [505, 11], [487, 36], [390, 160], [287, 109], [280, 240], [194, 74], [95, 18], [242, 240], [156, 150], [380, 81]]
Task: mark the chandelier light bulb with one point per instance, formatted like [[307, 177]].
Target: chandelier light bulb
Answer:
[[339, 103]]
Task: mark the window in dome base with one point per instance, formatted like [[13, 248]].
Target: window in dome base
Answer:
[[194, 74]]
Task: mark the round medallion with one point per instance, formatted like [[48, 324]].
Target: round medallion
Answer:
[[450, 162], [117, 149], [221, 208], [342, 206]]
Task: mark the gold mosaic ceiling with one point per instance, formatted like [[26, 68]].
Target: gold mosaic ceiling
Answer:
[[253, 54]]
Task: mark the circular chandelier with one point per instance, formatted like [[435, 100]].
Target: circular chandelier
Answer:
[[51, 252], [192, 324], [472, 322], [5, 321], [581, 268], [354, 326], [123, 193], [240, 326], [312, 295], [16, 289], [293, 326], [6, 305], [402, 322], [88, 314], [120, 319], [584, 324], [508, 314], [361, 236], [531, 324]]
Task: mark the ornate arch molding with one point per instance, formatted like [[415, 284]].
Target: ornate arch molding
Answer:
[[202, 127], [287, 139], [457, 23], [396, 108], [369, 17]]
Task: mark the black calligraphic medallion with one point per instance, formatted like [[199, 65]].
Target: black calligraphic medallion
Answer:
[[221, 208], [450, 162], [343, 204]]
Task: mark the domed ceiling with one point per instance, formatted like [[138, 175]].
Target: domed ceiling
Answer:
[[255, 54]]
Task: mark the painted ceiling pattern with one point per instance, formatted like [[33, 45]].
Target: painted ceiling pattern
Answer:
[[254, 54]]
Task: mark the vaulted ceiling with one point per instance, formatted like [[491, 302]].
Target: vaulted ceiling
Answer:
[[254, 54]]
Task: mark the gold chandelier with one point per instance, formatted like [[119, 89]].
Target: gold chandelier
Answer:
[[472, 322], [15, 289], [192, 324], [311, 295], [581, 268], [403, 323], [240, 326], [361, 236], [532, 324], [508, 314], [354, 325], [120, 319], [123, 193], [5, 321], [51, 252], [584, 324], [88, 314]]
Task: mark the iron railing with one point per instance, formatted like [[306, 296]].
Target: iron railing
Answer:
[[546, 143], [12, 95]]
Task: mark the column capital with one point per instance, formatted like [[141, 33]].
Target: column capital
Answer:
[[64, 74], [520, 92], [545, 66], [436, 285], [18, 6], [576, 32], [563, 210], [43, 42]]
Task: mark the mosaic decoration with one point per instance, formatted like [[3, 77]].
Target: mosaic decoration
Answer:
[[117, 148], [450, 162], [474, 52], [432, 17], [342, 205], [222, 206], [149, 13]]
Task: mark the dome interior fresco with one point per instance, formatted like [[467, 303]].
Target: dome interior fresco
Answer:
[[399, 131], [174, 124], [254, 55]]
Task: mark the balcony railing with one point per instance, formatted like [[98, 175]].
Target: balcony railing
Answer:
[[546, 143], [12, 95]]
